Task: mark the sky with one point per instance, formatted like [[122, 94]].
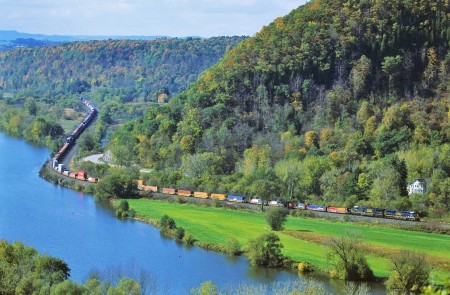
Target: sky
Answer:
[[175, 18]]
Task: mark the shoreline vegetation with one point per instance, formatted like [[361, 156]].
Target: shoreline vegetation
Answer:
[[212, 226]]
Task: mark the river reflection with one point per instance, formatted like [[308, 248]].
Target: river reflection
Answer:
[[86, 234]]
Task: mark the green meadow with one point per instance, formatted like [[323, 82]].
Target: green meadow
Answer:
[[304, 239]]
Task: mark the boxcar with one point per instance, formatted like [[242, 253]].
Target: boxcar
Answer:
[[220, 197], [202, 195], [170, 191], [184, 193], [92, 179], [150, 188], [140, 184]]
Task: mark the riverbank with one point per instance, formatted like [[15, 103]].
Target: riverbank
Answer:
[[303, 238]]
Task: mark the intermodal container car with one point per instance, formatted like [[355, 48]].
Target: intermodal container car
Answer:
[[315, 207], [237, 199], [256, 201], [340, 210], [170, 191]]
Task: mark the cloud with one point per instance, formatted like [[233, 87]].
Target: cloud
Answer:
[[143, 17]]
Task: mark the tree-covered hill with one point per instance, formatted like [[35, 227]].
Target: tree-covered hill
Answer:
[[129, 70], [340, 102]]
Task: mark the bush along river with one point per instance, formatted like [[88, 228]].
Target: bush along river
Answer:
[[86, 234]]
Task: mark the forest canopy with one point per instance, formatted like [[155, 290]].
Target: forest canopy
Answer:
[[339, 102]]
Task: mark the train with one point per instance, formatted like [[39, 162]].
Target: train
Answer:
[[359, 210], [356, 210], [71, 139]]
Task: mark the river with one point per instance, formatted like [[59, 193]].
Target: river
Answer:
[[74, 227]]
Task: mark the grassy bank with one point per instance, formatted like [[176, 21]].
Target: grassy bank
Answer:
[[303, 238]]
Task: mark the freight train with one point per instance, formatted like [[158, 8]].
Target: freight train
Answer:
[[70, 141], [356, 210], [359, 210]]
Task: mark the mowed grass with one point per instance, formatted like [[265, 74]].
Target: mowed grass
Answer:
[[303, 238]]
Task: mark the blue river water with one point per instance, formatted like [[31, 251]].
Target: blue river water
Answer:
[[75, 228]]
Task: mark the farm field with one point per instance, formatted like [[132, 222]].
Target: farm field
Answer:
[[303, 238]]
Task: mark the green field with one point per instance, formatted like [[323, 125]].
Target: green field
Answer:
[[69, 125], [303, 238]]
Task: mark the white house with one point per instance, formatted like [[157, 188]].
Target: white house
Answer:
[[417, 187]]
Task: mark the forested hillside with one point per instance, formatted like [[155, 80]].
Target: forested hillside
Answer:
[[40, 86], [126, 69], [339, 102]]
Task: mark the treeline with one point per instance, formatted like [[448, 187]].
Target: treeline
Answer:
[[129, 70], [35, 121], [339, 102], [24, 271]]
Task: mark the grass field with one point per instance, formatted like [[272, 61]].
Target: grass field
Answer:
[[303, 238], [69, 125]]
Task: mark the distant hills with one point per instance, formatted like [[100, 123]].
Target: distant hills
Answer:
[[128, 70], [10, 39], [9, 35]]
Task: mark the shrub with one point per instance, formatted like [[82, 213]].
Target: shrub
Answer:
[[232, 247], [265, 251], [179, 234], [409, 273], [215, 203], [275, 217], [189, 239], [305, 267], [167, 222], [180, 200], [206, 288], [348, 259]]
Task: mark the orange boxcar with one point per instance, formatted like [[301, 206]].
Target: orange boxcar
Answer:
[[150, 188], [184, 193], [170, 191]]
